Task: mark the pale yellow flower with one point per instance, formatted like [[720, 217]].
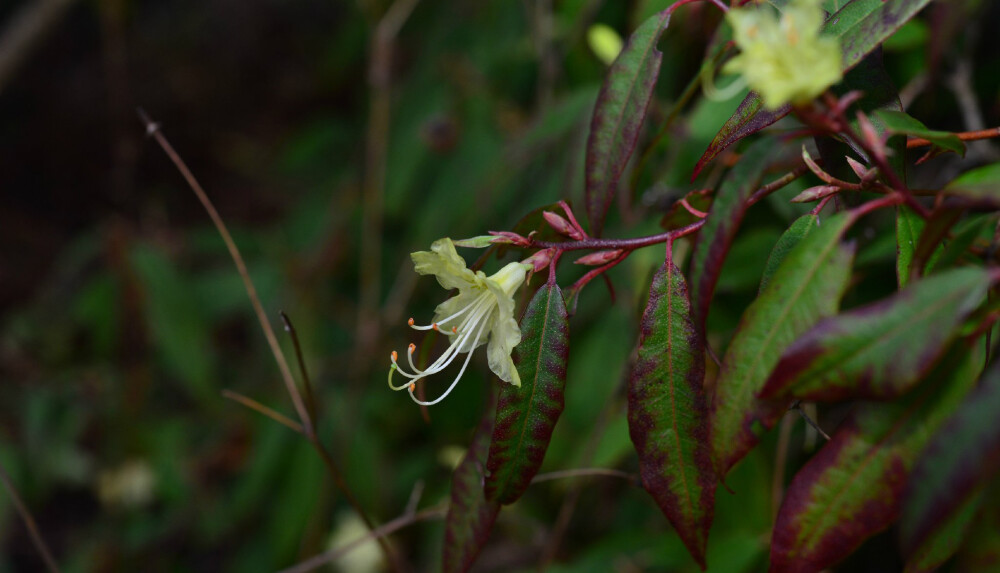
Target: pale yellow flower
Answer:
[[481, 313], [784, 59]]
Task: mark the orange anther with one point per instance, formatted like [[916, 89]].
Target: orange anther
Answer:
[[410, 322], [394, 356], [435, 326], [454, 329], [412, 347], [412, 386]]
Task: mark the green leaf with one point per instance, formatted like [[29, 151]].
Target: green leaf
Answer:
[[722, 223], [667, 412], [883, 349], [864, 24], [946, 537], [470, 516], [902, 123], [749, 118], [806, 287], [619, 115], [957, 464], [932, 238], [853, 487], [909, 225], [526, 415], [789, 239], [978, 186]]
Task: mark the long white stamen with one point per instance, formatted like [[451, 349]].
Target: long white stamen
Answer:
[[481, 311], [431, 326], [457, 378]]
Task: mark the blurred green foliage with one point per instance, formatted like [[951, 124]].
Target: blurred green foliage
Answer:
[[123, 316]]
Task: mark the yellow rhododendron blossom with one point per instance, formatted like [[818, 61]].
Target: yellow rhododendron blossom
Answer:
[[481, 313], [784, 59]]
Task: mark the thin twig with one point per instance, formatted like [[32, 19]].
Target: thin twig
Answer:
[[306, 385], [258, 407], [29, 521], [586, 472], [437, 512], [797, 406], [964, 136], [25, 31], [153, 130]]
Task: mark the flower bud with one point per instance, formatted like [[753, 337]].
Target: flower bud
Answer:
[[599, 258], [561, 225], [540, 260]]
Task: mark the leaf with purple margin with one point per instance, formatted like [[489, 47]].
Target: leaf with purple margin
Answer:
[[805, 288], [981, 548], [526, 415], [861, 26], [749, 118], [668, 414], [619, 115], [470, 516], [945, 539], [883, 349], [853, 488], [932, 238], [789, 239], [722, 223], [961, 460]]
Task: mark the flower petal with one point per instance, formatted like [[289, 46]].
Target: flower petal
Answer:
[[503, 338], [443, 262]]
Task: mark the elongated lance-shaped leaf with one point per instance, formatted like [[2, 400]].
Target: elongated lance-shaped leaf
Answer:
[[619, 114], [933, 235], [526, 415], [902, 123], [946, 537], [883, 349], [853, 488], [722, 223], [961, 459], [980, 550], [805, 288], [909, 225], [470, 516], [668, 414], [749, 118], [789, 239], [861, 26]]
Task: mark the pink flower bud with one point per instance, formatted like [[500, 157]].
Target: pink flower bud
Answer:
[[540, 260], [507, 237], [561, 225], [815, 193], [599, 258]]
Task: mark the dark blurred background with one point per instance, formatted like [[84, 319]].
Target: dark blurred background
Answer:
[[335, 138]]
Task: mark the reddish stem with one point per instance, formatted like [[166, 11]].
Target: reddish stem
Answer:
[[964, 136]]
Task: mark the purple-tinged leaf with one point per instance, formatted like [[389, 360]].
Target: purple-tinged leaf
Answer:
[[978, 187], [722, 223], [861, 26], [619, 115], [668, 414], [853, 488], [880, 350], [526, 415], [806, 287], [789, 239], [749, 118], [962, 459], [980, 550], [470, 516], [945, 539]]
